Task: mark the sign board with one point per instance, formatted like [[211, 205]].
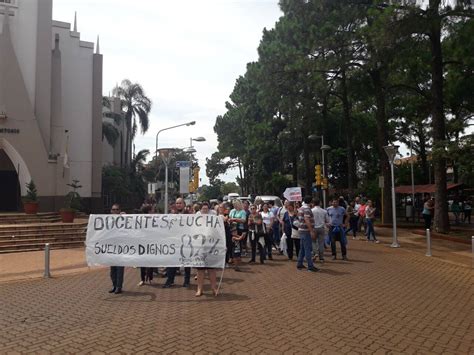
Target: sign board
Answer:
[[183, 180], [381, 181], [183, 164], [156, 240], [293, 194]]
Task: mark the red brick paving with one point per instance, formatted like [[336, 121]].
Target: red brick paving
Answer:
[[383, 301]]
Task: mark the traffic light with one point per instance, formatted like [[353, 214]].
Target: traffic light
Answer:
[[196, 178], [325, 183], [317, 174]]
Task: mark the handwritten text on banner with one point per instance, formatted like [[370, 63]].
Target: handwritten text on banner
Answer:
[[156, 240]]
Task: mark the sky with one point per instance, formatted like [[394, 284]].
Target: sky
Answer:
[[186, 54]]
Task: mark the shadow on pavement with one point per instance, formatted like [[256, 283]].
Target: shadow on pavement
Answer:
[[357, 261], [209, 297], [231, 281]]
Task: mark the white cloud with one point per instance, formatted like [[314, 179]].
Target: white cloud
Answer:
[[187, 55]]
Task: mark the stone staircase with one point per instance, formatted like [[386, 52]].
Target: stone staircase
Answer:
[[23, 218], [31, 236]]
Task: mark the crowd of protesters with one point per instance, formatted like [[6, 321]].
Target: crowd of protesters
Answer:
[[302, 231]]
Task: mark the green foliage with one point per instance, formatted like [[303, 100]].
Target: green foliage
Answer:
[[110, 133], [115, 181], [211, 192], [229, 187], [136, 107], [277, 184], [72, 200], [361, 73], [31, 192]]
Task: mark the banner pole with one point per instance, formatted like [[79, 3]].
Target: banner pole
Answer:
[[220, 281]]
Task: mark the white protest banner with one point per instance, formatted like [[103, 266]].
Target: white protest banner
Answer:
[[156, 240], [293, 194]]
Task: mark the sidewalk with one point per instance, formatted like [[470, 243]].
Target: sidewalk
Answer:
[[30, 265], [444, 250], [382, 300]]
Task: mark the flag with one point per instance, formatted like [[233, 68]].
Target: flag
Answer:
[[66, 157]]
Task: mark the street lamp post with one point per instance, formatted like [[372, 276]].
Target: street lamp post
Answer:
[[324, 147], [191, 149], [197, 139], [165, 129], [166, 154], [392, 151], [166, 163], [412, 181]]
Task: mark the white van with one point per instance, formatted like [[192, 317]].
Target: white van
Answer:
[[230, 197]]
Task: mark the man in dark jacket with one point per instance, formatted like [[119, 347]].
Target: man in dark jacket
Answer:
[[171, 271], [116, 272]]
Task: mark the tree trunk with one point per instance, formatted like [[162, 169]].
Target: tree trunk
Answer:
[[382, 140], [308, 177], [420, 132], [351, 164], [241, 177], [441, 220]]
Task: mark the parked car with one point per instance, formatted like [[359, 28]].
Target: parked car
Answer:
[[230, 197]]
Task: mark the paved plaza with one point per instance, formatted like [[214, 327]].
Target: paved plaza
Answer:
[[381, 301]]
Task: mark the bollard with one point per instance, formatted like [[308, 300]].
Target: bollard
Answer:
[[472, 240], [428, 242], [47, 274]]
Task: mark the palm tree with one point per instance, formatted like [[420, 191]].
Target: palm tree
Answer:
[[138, 162], [136, 107], [109, 130], [137, 166]]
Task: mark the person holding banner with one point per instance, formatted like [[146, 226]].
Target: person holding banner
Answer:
[[146, 273], [171, 271], [116, 272], [201, 271]]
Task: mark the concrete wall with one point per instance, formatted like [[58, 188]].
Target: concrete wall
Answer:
[[23, 31], [76, 84], [44, 93]]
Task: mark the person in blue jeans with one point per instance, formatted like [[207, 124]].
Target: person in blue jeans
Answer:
[[337, 226], [274, 208], [306, 232], [369, 217]]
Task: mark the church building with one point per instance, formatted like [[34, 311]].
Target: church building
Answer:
[[50, 108]]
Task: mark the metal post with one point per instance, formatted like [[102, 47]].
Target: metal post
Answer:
[[166, 187], [394, 212], [47, 273], [383, 217], [428, 242], [472, 239], [412, 182], [324, 170]]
